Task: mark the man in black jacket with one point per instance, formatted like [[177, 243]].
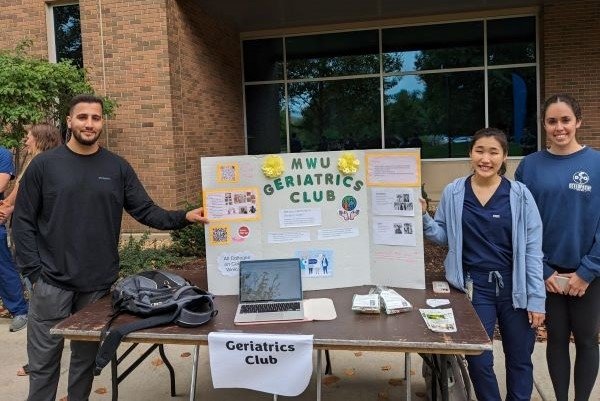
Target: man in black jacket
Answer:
[[66, 226]]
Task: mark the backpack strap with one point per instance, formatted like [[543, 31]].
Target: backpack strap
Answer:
[[109, 346]]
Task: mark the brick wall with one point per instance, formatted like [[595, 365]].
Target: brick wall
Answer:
[[175, 73], [571, 59], [206, 91], [23, 19]]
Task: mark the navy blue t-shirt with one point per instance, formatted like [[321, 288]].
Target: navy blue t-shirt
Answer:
[[487, 230], [6, 165]]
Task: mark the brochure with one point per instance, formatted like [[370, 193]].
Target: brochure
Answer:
[[439, 320]]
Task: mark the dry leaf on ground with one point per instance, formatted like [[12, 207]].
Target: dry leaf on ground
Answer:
[[350, 372], [357, 354], [396, 382], [101, 390], [157, 362], [385, 368], [329, 380], [185, 355]]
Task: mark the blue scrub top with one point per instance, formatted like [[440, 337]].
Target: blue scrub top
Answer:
[[487, 230]]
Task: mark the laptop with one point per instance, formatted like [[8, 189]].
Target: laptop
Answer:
[[270, 290]]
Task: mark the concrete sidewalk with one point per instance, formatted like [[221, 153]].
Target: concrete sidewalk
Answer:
[[356, 376]]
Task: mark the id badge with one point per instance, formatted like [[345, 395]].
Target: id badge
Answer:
[[469, 287]]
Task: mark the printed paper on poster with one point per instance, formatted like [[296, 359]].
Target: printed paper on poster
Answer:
[[299, 217], [393, 169], [393, 201], [394, 231]]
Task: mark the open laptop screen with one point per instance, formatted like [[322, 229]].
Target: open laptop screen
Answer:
[[270, 280]]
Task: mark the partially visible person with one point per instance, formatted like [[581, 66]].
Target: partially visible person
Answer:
[[11, 287], [493, 231], [565, 182], [39, 138], [66, 227]]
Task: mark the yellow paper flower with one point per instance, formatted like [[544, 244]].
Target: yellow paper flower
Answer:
[[272, 166], [348, 163]]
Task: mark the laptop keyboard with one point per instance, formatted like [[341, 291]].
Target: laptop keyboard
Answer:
[[270, 307]]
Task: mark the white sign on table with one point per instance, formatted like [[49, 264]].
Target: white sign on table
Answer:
[[272, 363]]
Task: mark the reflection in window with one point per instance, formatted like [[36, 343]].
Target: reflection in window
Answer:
[[513, 105], [334, 85], [265, 119], [433, 47], [511, 41], [437, 112], [67, 34], [263, 60], [334, 115], [332, 55]]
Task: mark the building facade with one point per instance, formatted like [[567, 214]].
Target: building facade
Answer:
[[200, 78]]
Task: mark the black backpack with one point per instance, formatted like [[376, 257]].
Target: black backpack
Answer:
[[160, 297]]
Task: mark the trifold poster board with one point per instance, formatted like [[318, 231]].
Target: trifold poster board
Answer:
[[352, 217]]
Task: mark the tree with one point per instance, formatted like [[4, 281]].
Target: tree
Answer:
[[34, 90]]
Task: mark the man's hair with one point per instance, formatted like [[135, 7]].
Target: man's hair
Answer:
[[85, 98]]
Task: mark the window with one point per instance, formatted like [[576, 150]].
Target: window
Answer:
[[64, 40], [427, 86], [334, 115], [333, 55], [433, 47], [265, 119]]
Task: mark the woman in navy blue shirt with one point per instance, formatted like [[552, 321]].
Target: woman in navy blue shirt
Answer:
[[567, 175], [493, 231]]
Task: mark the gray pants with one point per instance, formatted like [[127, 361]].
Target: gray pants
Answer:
[[48, 306]]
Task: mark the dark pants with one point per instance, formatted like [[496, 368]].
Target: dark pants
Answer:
[[491, 302], [11, 288], [580, 316], [50, 305]]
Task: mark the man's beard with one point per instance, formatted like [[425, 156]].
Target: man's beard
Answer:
[[83, 141]]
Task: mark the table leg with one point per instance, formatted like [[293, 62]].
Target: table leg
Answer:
[[407, 368], [444, 376], [328, 370], [114, 378], [161, 351], [319, 374], [194, 372]]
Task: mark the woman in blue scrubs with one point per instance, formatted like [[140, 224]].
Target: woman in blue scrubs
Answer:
[[494, 235]]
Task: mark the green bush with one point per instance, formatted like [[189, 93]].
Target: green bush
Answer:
[[189, 241], [139, 254]]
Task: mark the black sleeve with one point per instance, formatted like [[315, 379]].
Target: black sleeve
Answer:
[[141, 207], [25, 222]]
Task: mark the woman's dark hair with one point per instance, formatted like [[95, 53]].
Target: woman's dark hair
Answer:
[[46, 136], [564, 98], [497, 134]]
